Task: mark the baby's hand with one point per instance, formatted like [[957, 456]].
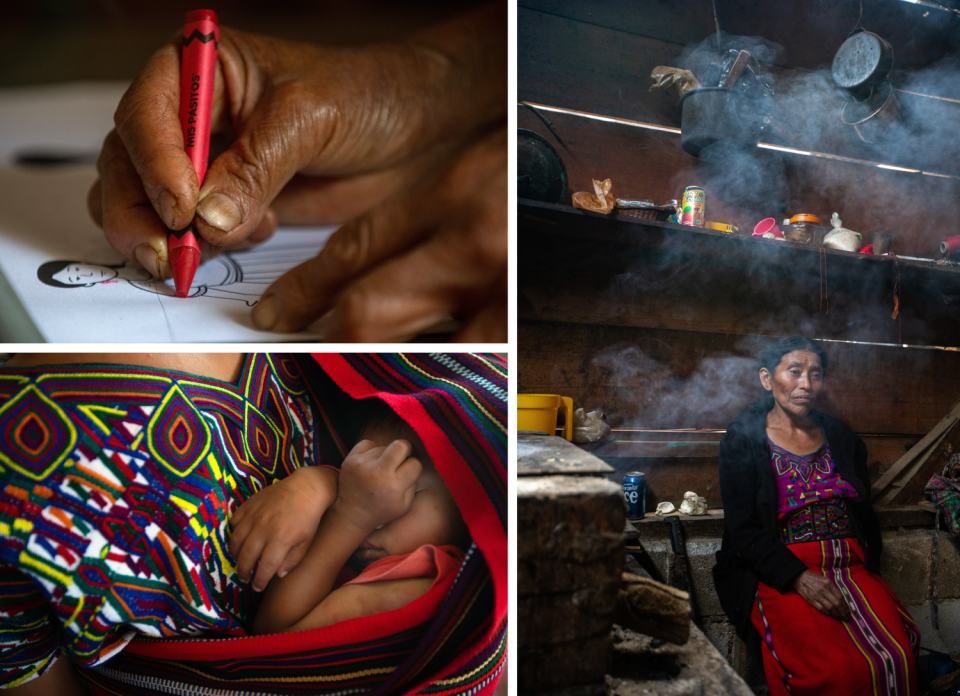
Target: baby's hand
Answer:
[[377, 484], [277, 523]]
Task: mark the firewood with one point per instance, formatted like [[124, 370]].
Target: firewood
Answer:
[[654, 609]]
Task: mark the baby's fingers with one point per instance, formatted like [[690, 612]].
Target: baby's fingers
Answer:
[[294, 556], [270, 561], [409, 472], [249, 555], [238, 532]]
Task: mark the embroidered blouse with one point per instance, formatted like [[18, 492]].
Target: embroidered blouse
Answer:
[[807, 478], [116, 484]]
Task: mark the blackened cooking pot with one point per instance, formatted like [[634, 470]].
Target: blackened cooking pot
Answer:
[[862, 62], [720, 115], [541, 175]]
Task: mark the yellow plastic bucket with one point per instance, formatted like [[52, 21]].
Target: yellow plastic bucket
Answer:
[[539, 412]]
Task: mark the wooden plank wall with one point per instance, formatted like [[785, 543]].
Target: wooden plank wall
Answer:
[[685, 361]]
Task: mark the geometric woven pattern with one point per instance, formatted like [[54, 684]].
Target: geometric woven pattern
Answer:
[[457, 404], [116, 484], [177, 436], [35, 434]]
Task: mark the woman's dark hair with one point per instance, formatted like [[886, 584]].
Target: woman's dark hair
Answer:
[[771, 356], [47, 270]]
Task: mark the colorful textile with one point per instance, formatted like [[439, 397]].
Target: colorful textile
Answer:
[[116, 484], [428, 561], [945, 493], [808, 653], [818, 521], [451, 640], [805, 478]]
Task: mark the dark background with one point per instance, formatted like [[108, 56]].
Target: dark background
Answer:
[[60, 40]]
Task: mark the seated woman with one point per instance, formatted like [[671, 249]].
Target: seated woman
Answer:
[[118, 484], [800, 558]]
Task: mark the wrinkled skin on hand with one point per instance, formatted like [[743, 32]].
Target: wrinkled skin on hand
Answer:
[[313, 135], [439, 249], [354, 122], [822, 595]]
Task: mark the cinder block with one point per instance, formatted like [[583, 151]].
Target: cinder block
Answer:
[[905, 564], [543, 667], [947, 638], [721, 634], [559, 618], [948, 567], [700, 561], [701, 557]]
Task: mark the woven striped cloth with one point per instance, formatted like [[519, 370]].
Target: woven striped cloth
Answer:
[[453, 642], [116, 484]]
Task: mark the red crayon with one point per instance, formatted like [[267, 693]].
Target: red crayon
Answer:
[[198, 64]]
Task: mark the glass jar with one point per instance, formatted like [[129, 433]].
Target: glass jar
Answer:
[[803, 228]]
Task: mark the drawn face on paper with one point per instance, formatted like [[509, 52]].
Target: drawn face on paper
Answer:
[[80, 273]]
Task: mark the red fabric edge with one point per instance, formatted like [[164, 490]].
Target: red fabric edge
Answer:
[[479, 514], [348, 632]]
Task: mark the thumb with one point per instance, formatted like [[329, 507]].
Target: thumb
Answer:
[[280, 138]]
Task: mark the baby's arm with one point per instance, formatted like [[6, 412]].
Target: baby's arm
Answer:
[[276, 524], [370, 598], [377, 485]]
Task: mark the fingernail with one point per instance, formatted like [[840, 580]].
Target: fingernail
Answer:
[[168, 206], [267, 313], [147, 257], [281, 573], [219, 211]]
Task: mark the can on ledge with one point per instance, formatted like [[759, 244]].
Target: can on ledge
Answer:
[[635, 494], [693, 207]]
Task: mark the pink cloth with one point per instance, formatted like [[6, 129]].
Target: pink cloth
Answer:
[[426, 562], [805, 479]]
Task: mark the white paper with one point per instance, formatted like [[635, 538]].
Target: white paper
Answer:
[[71, 118], [43, 218]]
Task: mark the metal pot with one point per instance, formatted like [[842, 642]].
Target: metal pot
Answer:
[[714, 115], [541, 175], [862, 62], [873, 117]]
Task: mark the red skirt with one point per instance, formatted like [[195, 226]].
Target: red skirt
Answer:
[[805, 652]]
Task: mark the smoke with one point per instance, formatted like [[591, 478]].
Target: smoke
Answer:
[[748, 184], [710, 396]]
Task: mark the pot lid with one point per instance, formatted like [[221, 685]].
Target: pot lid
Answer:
[[857, 58], [803, 217]]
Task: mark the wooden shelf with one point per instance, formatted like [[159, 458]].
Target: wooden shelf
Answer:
[[583, 267], [575, 223]]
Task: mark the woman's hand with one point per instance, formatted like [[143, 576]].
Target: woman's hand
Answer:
[[277, 523], [822, 595], [315, 135], [377, 484], [437, 250]]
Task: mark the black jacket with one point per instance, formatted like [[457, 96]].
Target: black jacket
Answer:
[[751, 549]]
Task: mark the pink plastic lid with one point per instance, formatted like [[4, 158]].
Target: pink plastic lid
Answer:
[[767, 225]]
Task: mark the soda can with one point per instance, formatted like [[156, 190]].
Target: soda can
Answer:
[[635, 494], [694, 206]]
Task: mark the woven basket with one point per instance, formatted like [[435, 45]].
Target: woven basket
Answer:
[[645, 213]]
